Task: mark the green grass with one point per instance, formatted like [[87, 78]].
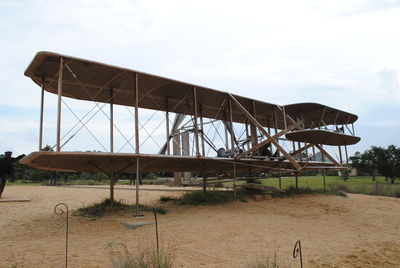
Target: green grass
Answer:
[[98, 210], [336, 185]]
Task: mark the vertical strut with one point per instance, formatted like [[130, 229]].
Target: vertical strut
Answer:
[[111, 121], [137, 141], [60, 80], [196, 127], [203, 149], [167, 126], [233, 150], [41, 118]]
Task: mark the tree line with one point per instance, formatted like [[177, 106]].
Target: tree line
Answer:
[[378, 160]]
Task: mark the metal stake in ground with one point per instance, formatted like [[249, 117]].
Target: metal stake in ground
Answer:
[[297, 251], [60, 211], [155, 219]]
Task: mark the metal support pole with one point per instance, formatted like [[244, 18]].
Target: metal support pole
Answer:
[[305, 145], [203, 149], [204, 179], [137, 142], [233, 151], [112, 182], [137, 187], [111, 121], [41, 118], [196, 127], [347, 156], [313, 152], [284, 117], [234, 179], [297, 180], [60, 80], [340, 155], [323, 174], [167, 127], [247, 135]]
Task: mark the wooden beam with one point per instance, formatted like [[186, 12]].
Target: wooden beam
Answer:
[[258, 146], [41, 118], [196, 127], [269, 137], [327, 155], [60, 83]]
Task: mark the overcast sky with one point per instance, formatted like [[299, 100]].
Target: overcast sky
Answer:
[[343, 54]]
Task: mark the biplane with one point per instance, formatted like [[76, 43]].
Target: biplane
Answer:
[[306, 127]]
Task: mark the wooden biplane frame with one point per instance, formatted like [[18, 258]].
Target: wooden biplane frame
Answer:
[[304, 124]]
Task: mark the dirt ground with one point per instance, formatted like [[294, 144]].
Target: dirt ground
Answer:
[[357, 231]]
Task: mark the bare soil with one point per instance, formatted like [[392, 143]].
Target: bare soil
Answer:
[[357, 231]]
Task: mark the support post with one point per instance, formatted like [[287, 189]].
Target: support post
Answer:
[[60, 80], [41, 118], [340, 155], [204, 179], [112, 182], [234, 179], [247, 135], [253, 128], [233, 151], [203, 149], [111, 121], [167, 126], [323, 175], [137, 142], [196, 127], [297, 180]]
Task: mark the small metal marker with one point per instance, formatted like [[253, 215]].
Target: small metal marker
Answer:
[[296, 251], [60, 211]]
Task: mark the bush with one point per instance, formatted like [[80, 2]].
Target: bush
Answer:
[[166, 198], [209, 198], [98, 210]]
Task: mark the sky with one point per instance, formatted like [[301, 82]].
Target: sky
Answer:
[[342, 53]]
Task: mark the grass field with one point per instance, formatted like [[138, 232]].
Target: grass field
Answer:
[[360, 184]]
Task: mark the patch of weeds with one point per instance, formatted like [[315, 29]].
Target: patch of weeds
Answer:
[[143, 257], [98, 210], [267, 262], [166, 198], [209, 198]]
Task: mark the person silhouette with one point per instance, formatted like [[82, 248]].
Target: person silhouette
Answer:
[[7, 169]]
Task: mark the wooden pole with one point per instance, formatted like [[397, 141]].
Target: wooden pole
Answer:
[[112, 182], [196, 127], [60, 80], [137, 141], [167, 127], [232, 132], [234, 180], [203, 149], [41, 118], [111, 122]]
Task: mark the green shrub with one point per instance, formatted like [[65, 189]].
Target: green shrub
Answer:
[[98, 210], [209, 198], [166, 198]]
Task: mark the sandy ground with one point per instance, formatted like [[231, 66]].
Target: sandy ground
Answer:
[[358, 231]]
